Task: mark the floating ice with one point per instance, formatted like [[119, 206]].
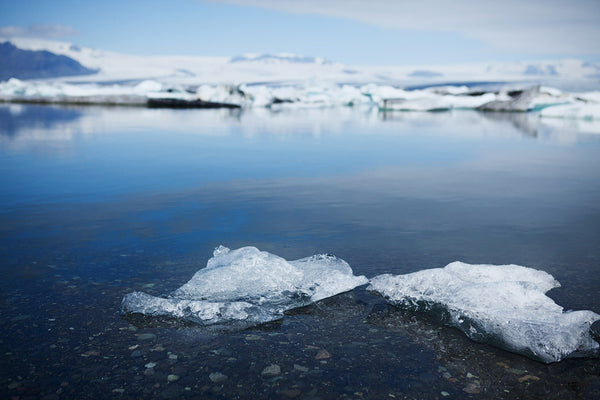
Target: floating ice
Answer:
[[430, 99], [310, 94], [250, 286], [586, 111], [504, 305], [521, 101], [535, 98]]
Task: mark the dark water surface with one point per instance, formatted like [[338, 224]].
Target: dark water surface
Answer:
[[96, 203]]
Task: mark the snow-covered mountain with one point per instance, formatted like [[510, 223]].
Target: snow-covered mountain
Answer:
[[280, 58], [563, 88], [278, 68]]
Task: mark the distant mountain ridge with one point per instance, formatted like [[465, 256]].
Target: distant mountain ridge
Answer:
[[37, 64], [278, 68], [279, 58]]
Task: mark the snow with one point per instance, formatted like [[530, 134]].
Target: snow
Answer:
[[504, 305], [285, 67], [248, 285]]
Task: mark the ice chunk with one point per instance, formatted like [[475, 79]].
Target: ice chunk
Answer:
[[579, 110], [535, 98], [504, 305], [520, 101], [429, 99], [437, 103], [248, 285], [147, 86]]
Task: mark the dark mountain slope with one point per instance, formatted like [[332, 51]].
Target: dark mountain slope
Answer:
[[28, 64]]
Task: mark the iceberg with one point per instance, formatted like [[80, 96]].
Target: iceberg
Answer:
[[248, 286], [531, 99], [503, 305], [520, 101], [580, 110], [547, 101]]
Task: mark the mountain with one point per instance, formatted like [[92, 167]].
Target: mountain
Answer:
[[279, 59], [284, 69], [30, 64]]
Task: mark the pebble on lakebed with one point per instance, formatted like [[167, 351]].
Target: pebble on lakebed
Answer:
[[146, 336], [272, 370], [217, 377]]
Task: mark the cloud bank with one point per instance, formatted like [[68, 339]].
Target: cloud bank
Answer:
[[569, 27], [43, 31]]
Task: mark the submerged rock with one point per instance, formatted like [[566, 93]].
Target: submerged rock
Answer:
[[146, 336], [272, 370], [217, 377]]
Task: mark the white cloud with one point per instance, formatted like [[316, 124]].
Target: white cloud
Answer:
[[11, 31], [534, 26], [43, 31]]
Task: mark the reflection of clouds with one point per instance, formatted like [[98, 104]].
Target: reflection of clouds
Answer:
[[25, 126]]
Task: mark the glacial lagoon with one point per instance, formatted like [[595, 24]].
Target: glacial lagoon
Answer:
[[97, 203]]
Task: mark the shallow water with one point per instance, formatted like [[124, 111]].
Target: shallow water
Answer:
[[99, 202]]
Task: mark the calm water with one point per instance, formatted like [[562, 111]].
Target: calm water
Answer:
[[96, 203]]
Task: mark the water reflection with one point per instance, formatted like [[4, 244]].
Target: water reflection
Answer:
[[141, 197], [522, 121], [16, 119], [29, 126], [425, 188]]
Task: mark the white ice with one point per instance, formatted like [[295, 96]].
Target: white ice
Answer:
[[57, 91], [248, 285], [580, 110], [504, 305], [286, 81], [311, 94]]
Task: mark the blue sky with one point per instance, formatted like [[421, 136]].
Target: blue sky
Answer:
[[348, 31]]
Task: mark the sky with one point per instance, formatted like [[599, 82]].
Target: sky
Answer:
[[354, 32]]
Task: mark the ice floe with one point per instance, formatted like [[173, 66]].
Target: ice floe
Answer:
[[504, 305], [579, 110], [542, 100], [250, 286]]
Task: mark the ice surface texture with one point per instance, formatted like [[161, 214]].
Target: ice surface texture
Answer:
[[504, 305], [248, 285]]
